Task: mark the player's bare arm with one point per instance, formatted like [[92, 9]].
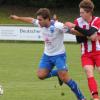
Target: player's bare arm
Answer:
[[90, 34], [23, 19], [71, 26], [76, 30]]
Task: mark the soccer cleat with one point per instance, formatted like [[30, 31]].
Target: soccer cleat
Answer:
[[60, 81]]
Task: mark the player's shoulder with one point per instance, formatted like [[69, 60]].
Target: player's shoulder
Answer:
[[96, 22], [58, 24], [96, 19], [79, 19]]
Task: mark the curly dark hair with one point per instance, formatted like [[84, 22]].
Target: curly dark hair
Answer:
[[44, 12]]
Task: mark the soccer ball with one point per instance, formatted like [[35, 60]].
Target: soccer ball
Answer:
[[1, 90]]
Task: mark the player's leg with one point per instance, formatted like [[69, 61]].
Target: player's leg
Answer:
[[92, 84], [42, 73], [46, 73], [52, 73], [45, 68], [98, 68], [88, 65], [64, 76]]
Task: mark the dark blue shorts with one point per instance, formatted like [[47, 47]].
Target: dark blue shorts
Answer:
[[49, 62]]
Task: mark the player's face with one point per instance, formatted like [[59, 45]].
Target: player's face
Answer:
[[85, 15], [42, 21]]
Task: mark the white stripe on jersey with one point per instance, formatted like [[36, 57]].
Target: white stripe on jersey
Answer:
[[81, 23], [82, 48], [89, 45], [97, 45], [93, 23], [94, 20]]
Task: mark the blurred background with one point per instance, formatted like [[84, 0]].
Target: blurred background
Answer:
[[46, 3], [65, 9]]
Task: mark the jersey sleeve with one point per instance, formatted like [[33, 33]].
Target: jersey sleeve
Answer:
[[96, 24], [59, 26], [76, 22]]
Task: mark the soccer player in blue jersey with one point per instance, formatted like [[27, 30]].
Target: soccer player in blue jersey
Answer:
[[54, 51]]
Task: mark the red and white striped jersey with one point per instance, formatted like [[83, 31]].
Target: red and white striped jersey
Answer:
[[88, 45]]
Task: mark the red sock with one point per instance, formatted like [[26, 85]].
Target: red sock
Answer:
[[93, 87]]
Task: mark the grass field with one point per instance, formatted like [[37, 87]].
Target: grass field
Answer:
[[18, 64]]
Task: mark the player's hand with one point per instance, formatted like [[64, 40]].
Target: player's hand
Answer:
[[14, 17], [69, 25], [93, 37], [98, 38]]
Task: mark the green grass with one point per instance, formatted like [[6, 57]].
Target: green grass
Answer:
[[18, 65]]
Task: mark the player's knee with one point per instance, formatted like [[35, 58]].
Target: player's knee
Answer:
[[64, 77], [41, 78], [98, 69], [41, 75], [89, 71]]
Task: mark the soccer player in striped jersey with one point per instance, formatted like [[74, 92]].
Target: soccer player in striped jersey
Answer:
[[89, 37], [54, 50]]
